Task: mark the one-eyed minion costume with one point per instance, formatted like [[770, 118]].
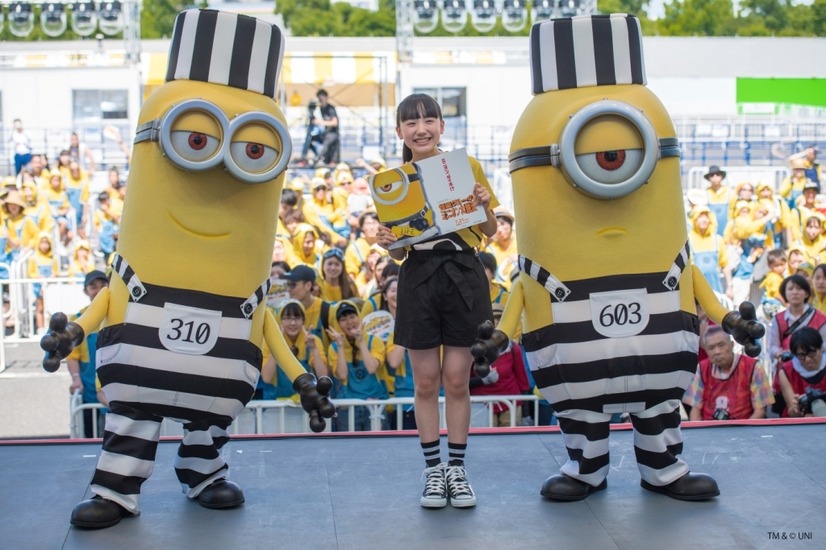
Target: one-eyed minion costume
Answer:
[[608, 292], [183, 322], [405, 209]]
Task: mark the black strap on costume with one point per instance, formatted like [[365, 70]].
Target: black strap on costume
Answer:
[[796, 325], [129, 277], [549, 155]]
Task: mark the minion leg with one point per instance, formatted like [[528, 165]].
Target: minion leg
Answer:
[[586, 438], [130, 441], [199, 462], [657, 441]]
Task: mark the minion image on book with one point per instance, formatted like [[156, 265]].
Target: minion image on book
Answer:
[[402, 204]]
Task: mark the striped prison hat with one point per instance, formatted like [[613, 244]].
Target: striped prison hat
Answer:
[[226, 48], [587, 50]]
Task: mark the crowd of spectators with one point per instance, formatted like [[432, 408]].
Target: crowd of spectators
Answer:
[[751, 242]]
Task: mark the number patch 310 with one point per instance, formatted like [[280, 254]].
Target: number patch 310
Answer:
[[189, 330]]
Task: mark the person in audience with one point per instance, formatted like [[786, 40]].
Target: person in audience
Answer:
[[336, 284], [358, 361], [727, 385], [796, 291], [801, 381]]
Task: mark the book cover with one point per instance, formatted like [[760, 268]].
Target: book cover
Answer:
[[428, 198]]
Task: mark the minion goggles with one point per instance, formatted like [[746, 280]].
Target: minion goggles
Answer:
[[417, 221], [175, 144], [562, 155]]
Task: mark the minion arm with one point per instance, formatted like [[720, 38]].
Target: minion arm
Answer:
[[491, 342], [63, 335]]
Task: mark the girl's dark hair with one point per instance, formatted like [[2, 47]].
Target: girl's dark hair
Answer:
[[805, 339], [392, 269], [413, 107], [800, 281], [292, 310], [387, 282]]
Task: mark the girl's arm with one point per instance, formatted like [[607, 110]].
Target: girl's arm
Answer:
[[483, 198]]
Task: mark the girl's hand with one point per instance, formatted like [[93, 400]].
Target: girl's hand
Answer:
[[482, 195], [385, 236], [335, 336], [308, 338]]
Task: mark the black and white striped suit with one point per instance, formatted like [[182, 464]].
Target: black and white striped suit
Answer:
[[617, 344], [179, 354]]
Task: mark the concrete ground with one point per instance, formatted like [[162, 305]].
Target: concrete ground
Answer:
[[34, 403]]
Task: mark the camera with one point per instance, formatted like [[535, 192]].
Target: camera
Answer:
[[786, 356], [721, 414], [808, 401]]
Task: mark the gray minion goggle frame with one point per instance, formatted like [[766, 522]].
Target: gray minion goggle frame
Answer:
[[160, 131], [562, 155]]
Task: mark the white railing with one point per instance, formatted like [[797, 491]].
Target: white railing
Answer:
[[286, 416]]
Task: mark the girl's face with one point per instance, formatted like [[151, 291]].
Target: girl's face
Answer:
[[292, 325], [746, 192], [308, 244], [391, 293], [332, 268], [14, 209], [703, 222], [780, 267], [44, 245], [421, 135], [279, 254], [795, 259], [813, 229], [795, 294], [819, 281], [503, 229]]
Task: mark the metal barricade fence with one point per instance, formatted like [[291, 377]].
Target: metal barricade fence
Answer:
[[286, 416]]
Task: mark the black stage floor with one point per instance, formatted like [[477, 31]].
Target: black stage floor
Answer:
[[362, 492]]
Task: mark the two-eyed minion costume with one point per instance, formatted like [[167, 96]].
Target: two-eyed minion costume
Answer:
[[607, 286], [183, 320]]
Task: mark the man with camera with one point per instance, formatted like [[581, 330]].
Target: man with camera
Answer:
[[727, 385], [801, 380]]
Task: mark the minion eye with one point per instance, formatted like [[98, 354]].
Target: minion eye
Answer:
[[194, 146], [610, 167], [253, 158], [389, 187]]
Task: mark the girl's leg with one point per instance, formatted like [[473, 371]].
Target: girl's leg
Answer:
[[456, 365], [427, 369], [427, 373]]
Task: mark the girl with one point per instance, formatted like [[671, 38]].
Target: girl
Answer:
[[336, 284], [306, 347], [442, 299], [796, 292]]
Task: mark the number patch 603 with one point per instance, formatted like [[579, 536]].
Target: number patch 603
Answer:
[[619, 313]]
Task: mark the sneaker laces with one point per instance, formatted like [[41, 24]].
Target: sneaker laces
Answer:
[[457, 481], [434, 480]]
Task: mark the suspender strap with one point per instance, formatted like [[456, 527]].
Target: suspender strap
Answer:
[[672, 278], [249, 306], [128, 275], [542, 276]]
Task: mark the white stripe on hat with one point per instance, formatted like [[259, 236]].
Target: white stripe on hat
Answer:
[[586, 70], [258, 59], [222, 42], [547, 62], [622, 53], [187, 48]]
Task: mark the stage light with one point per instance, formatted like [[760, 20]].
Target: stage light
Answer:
[[483, 16], [53, 19], [21, 19], [568, 8], [542, 10], [454, 15], [514, 15], [111, 18], [84, 20], [426, 17]]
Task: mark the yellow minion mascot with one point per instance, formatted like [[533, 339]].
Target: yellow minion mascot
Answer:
[[182, 324], [608, 289]]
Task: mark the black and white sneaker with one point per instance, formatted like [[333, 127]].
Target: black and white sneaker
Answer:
[[435, 492], [458, 488]]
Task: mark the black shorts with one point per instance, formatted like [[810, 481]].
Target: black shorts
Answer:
[[442, 299]]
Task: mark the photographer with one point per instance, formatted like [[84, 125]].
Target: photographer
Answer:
[[800, 385], [727, 385]]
